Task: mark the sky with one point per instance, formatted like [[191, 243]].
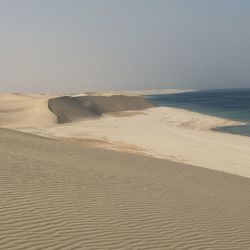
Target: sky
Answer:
[[77, 45]]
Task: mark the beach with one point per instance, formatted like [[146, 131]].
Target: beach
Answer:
[[127, 177]]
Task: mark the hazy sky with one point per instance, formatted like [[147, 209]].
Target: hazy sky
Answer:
[[74, 45]]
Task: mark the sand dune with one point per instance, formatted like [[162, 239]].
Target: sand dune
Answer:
[[35, 110], [115, 103], [69, 109], [56, 195], [73, 109], [62, 194], [25, 110]]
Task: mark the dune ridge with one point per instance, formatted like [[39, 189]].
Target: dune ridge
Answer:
[[25, 110], [56, 195], [69, 109], [72, 109], [138, 92], [36, 110]]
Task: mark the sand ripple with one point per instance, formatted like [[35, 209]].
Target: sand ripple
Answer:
[[55, 195]]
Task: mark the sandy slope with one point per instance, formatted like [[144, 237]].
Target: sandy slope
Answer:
[[55, 195], [168, 133], [25, 110]]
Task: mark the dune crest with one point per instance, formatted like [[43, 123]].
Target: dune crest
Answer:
[[72, 109], [25, 110]]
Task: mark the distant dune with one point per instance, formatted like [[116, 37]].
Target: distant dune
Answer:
[[72, 109], [25, 110], [34, 110], [138, 92], [69, 109]]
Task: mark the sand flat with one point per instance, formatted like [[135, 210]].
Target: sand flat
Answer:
[[57, 195]]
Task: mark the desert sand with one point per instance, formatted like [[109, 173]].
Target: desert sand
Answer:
[[57, 195], [24, 110], [148, 178]]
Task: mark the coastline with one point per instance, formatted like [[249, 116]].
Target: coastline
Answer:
[[231, 104]]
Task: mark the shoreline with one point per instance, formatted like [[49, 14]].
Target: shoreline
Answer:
[[219, 110], [232, 123]]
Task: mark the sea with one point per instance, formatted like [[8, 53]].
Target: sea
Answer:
[[233, 104]]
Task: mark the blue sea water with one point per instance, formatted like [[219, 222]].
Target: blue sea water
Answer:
[[231, 104]]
